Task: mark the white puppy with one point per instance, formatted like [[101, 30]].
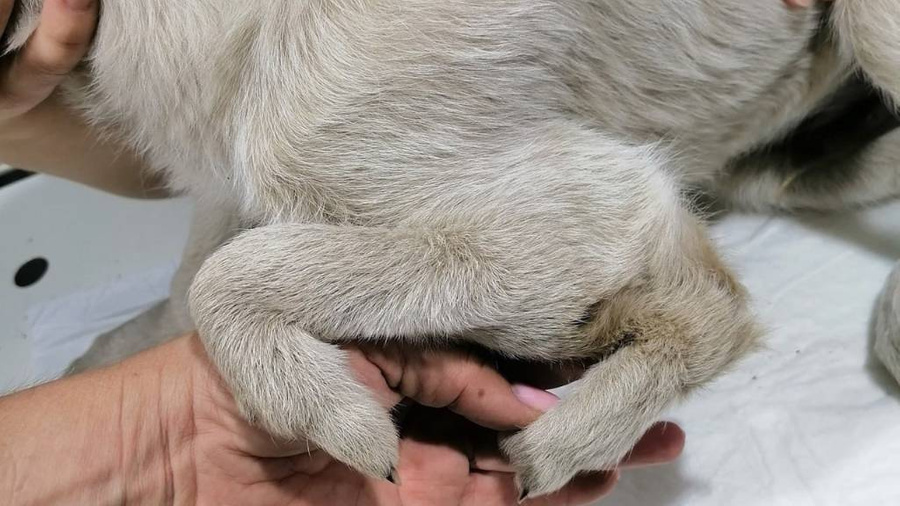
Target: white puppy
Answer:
[[508, 173]]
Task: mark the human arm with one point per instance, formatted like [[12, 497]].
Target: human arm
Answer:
[[162, 428]]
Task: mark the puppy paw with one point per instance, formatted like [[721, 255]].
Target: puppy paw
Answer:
[[305, 390], [350, 426], [570, 440]]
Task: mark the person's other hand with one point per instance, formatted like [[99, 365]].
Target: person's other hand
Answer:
[[445, 458], [29, 75], [38, 131]]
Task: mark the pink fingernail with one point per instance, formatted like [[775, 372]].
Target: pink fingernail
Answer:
[[80, 5], [540, 400]]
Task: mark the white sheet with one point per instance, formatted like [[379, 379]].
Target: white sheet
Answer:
[[93, 242], [62, 329], [808, 421]]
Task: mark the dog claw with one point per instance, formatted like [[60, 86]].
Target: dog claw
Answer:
[[523, 495], [393, 477]]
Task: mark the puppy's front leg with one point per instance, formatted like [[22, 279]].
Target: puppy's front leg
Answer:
[[266, 303]]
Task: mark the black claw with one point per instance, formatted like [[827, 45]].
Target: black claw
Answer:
[[523, 494], [393, 477]]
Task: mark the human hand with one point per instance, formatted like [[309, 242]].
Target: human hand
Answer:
[[29, 75], [445, 459], [37, 131]]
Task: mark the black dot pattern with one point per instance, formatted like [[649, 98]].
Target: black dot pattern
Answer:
[[31, 272]]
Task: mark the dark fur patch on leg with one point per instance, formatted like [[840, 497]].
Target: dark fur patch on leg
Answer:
[[590, 314], [625, 338]]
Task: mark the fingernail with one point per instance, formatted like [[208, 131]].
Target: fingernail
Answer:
[[540, 400], [80, 5]]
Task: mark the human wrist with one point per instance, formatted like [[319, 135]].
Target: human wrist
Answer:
[[158, 423], [118, 435], [53, 138]]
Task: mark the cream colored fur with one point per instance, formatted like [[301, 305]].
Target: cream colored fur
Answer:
[[868, 32], [506, 172]]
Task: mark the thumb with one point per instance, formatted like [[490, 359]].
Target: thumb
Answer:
[[58, 44]]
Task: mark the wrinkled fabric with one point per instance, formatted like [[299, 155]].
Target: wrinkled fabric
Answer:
[[62, 329]]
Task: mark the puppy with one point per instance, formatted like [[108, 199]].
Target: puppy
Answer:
[[508, 173]]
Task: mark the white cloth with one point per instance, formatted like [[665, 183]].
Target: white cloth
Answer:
[[62, 329]]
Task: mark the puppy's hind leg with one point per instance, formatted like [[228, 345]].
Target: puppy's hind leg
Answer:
[[870, 31], [843, 164]]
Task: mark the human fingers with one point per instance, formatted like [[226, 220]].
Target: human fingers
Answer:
[[6, 7], [60, 41], [461, 383], [662, 444]]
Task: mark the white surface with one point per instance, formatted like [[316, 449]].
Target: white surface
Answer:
[[64, 328], [808, 421], [91, 240]]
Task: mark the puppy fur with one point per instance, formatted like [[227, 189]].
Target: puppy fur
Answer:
[[508, 173]]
